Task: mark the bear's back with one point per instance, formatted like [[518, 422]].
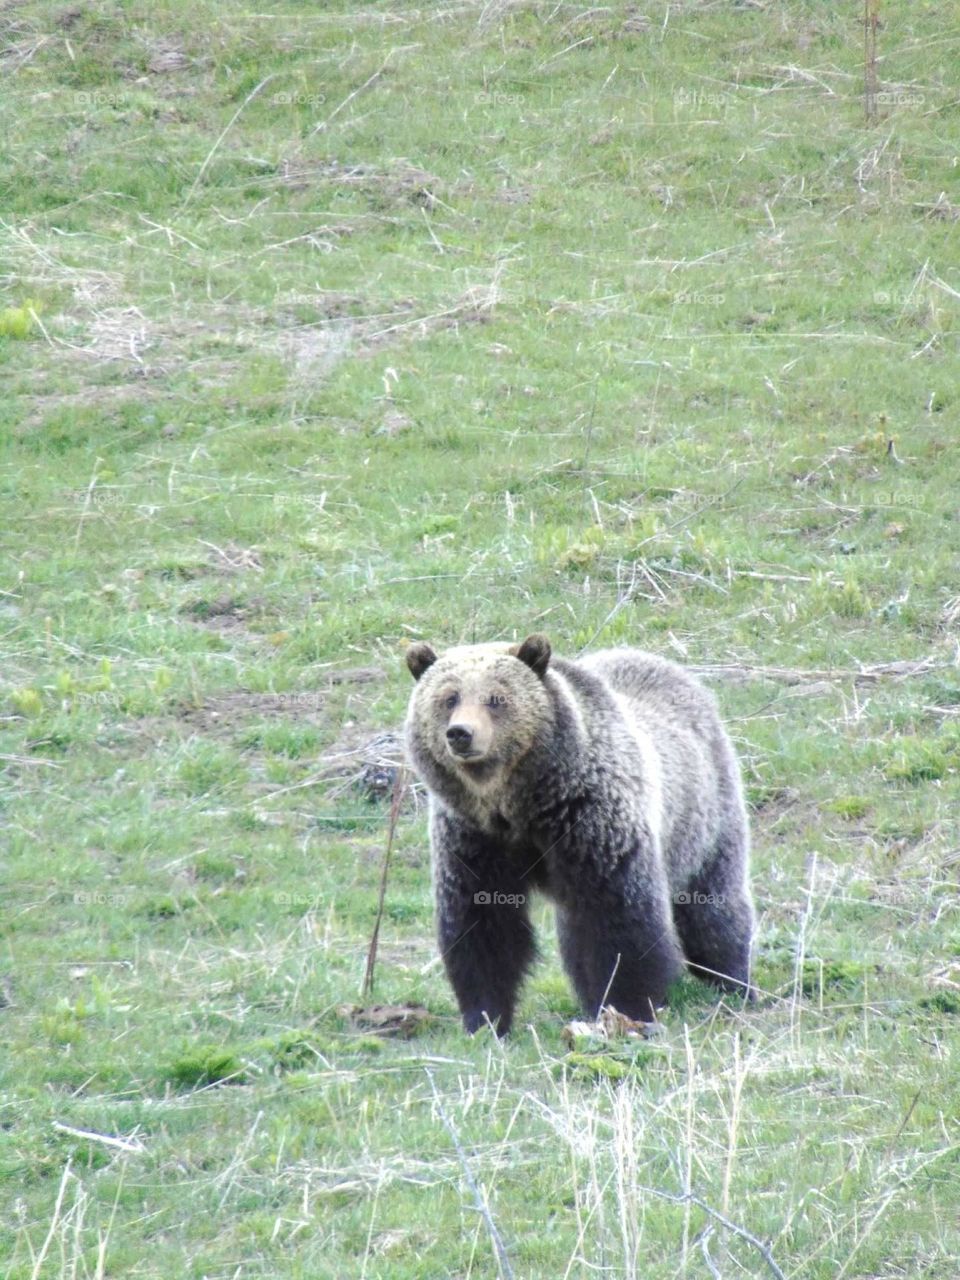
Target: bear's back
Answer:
[[699, 770], [661, 693]]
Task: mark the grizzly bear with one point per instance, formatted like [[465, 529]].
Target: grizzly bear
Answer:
[[607, 783]]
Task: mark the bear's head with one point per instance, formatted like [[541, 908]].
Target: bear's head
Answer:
[[477, 710]]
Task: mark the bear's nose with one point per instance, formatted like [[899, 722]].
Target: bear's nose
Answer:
[[459, 736]]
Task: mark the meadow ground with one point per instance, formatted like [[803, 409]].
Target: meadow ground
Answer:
[[330, 326]]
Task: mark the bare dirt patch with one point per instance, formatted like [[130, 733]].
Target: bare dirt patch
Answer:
[[223, 613], [397, 180], [226, 712], [166, 56], [229, 711], [231, 558]]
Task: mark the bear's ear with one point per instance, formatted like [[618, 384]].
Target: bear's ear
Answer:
[[419, 657], [535, 653]]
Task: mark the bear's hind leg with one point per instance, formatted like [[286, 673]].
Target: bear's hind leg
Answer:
[[615, 956], [715, 920]]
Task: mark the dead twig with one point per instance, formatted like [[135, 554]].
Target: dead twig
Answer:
[[366, 989], [871, 25], [132, 1145], [503, 1260], [790, 675], [742, 1232]]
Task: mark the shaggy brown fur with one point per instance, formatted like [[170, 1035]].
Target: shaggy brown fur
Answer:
[[610, 785]]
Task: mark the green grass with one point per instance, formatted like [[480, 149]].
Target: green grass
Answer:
[[328, 328]]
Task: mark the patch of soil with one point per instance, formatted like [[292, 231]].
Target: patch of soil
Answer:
[[315, 350], [232, 558], [166, 57], [119, 333], [225, 613], [105, 395], [397, 180], [228, 711], [768, 804], [474, 306]]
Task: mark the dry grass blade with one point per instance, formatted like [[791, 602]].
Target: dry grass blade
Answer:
[[503, 1260]]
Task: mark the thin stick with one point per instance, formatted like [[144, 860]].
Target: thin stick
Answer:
[[398, 789], [50, 764], [742, 1232], [871, 24], [503, 1260], [705, 1250], [609, 985], [133, 1145], [903, 1122], [790, 675]]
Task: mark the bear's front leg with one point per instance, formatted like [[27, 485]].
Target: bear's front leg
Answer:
[[483, 926]]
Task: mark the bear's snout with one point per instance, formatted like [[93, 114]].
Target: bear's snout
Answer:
[[460, 739]]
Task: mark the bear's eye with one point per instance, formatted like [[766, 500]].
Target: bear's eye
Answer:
[[451, 700], [495, 700]]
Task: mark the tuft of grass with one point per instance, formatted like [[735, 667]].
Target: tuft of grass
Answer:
[[839, 976], [19, 322], [204, 1065]]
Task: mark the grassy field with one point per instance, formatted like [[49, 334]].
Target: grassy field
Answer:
[[331, 326]]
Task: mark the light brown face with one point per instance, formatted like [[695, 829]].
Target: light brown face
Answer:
[[470, 711], [480, 707]]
